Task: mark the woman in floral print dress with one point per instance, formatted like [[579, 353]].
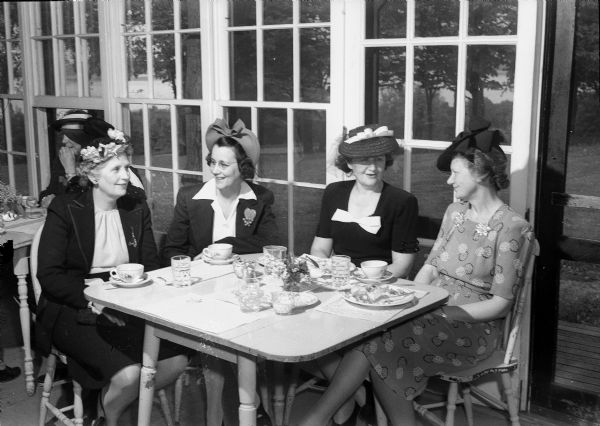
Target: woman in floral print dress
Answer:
[[479, 257]]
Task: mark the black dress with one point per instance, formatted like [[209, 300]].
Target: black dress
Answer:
[[398, 211]]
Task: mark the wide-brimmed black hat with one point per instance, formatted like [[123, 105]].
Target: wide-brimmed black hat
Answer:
[[73, 116], [478, 137], [81, 126], [369, 141]]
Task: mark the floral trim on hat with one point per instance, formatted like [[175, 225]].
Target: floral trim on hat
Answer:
[[92, 156], [369, 133]]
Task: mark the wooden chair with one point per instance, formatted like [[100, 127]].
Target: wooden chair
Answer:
[[503, 361], [55, 355]]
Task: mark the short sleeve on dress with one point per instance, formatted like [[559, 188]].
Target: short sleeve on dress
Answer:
[[513, 248]]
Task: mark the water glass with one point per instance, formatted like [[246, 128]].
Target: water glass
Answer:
[[274, 256], [181, 267], [283, 302], [340, 270], [250, 295]]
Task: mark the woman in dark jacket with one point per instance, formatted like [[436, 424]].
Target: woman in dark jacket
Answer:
[[85, 235]]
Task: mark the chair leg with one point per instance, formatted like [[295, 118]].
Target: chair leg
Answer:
[[291, 394], [468, 403], [77, 404], [165, 407], [48, 379], [379, 413], [511, 399], [178, 394], [451, 403]]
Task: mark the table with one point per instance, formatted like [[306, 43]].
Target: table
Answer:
[[201, 324], [21, 231]]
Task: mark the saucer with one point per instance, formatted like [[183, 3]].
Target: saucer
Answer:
[[211, 261], [119, 283], [360, 276]]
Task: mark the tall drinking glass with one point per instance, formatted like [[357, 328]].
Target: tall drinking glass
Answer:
[[273, 257], [340, 270], [181, 267]]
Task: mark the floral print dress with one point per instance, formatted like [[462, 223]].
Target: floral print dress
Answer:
[[475, 262]]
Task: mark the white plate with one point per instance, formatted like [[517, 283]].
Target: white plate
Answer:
[[305, 299], [217, 261], [360, 275], [118, 283], [396, 297]]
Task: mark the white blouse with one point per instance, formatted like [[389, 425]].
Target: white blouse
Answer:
[[110, 247]]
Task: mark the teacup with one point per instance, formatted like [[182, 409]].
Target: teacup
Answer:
[[128, 272], [374, 269], [218, 251]]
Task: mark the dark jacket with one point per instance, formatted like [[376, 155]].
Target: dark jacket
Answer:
[[66, 251], [192, 227]]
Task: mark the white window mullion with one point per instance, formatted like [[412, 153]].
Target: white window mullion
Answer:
[[175, 147], [81, 60], [56, 23], [178, 65], [260, 95], [147, 147], [296, 52], [461, 71], [290, 176], [149, 56]]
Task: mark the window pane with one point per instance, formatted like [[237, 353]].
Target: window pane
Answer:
[[384, 87], [435, 92], [92, 45], [278, 66], [190, 14], [309, 143], [186, 180], [16, 53], [314, 64], [242, 64], [386, 19], [163, 50], [48, 68], [277, 12], [4, 168], [17, 124], [132, 114], [14, 20], [2, 126], [191, 66], [242, 13], [46, 23], [137, 72], [2, 24], [307, 207], [90, 25], [161, 193], [434, 18], [68, 22], [21, 176], [189, 138], [134, 15], [272, 133], [159, 120], [394, 175], [233, 113], [314, 11], [490, 85], [67, 47], [162, 15], [3, 68], [428, 180], [493, 17], [280, 209]]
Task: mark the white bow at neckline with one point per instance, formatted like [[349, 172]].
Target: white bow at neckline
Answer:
[[371, 224]]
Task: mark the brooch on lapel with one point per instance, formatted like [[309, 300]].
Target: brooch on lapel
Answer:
[[482, 229], [249, 216], [132, 242]]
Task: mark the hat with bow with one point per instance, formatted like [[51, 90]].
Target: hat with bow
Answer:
[[81, 126], [368, 141], [478, 137], [238, 132]]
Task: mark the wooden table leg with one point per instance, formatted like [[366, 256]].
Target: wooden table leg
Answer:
[[278, 393], [21, 269], [149, 360], [247, 390]]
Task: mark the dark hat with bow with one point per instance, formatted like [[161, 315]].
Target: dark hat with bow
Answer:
[[238, 132], [368, 141], [81, 126], [478, 137]]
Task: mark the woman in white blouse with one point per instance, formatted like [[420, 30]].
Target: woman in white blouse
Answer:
[[85, 235]]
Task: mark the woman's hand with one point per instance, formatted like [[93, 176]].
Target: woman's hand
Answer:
[[114, 319], [322, 247], [401, 264], [486, 310], [426, 274]]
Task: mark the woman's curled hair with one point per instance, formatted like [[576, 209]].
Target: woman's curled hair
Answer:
[[245, 166], [491, 165]]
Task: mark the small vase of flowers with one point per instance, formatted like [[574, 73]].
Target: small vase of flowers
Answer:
[[10, 205], [296, 274]]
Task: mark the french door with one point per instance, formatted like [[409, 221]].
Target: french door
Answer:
[[566, 295]]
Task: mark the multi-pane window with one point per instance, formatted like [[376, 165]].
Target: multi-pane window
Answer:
[[278, 56], [67, 45], [429, 67], [13, 150], [161, 104]]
